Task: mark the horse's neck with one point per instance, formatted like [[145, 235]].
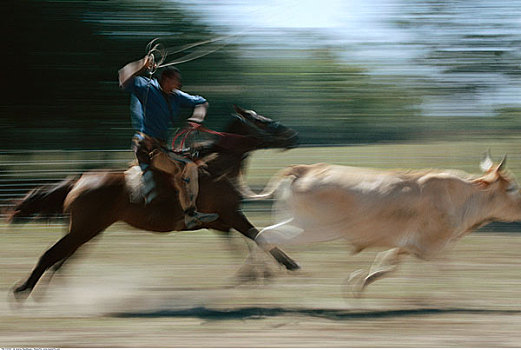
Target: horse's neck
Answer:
[[227, 158], [224, 163]]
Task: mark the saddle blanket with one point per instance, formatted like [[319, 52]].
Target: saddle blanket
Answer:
[[134, 183]]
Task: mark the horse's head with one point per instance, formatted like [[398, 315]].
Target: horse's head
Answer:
[[267, 132]]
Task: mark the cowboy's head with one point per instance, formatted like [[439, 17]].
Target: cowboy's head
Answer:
[[170, 79]]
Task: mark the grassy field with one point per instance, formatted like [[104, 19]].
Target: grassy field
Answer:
[[464, 155], [130, 288]]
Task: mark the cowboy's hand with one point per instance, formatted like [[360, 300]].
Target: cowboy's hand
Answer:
[[149, 62], [194, 125], [199, 113], [135, 68]]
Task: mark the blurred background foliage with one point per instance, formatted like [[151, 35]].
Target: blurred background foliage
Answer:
[[61, 59]]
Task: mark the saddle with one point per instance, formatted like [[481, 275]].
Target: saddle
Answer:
[[164, 167], [134, 184], [137, 186], [169, 163]]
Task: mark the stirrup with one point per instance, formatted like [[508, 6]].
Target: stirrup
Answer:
[[196, 218]]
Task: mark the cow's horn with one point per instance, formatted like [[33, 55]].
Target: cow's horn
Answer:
[[502, 164], [486, 164]]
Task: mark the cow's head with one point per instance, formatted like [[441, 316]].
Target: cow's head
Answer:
[[505, 192]]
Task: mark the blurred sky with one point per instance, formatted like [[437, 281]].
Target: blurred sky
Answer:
[[473, 46], [346, 19], [283, 14]]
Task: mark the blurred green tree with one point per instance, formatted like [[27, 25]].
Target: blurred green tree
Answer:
[[60, 79]]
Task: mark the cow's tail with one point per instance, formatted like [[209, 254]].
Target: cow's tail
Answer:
[[274, 183], [45, 201]]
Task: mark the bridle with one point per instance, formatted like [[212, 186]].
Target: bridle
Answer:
[[265, 136]]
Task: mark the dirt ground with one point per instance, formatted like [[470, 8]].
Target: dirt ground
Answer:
[[135, 289]]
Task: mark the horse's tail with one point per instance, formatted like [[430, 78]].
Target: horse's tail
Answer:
[[290, 173], [46, 201]]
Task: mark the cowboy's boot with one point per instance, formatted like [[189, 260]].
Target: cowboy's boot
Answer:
[[194, 218]]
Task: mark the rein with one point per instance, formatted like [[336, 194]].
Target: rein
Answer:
[[196, 127]]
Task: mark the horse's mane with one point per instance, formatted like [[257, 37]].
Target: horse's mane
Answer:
[[234, 139]]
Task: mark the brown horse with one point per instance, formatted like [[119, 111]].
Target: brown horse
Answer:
[[97, 199]]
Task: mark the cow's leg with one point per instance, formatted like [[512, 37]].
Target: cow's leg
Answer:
[[384, 263]]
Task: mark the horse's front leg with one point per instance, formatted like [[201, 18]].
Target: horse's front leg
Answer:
[[239, 222], [277, 253]]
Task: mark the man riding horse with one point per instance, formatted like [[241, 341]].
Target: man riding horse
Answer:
[[155, 106], [97, 199]]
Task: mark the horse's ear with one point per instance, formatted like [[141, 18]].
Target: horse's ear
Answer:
[[239, 109]]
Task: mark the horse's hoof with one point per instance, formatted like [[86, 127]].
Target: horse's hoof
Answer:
[[292, 266], [20, 293], [268, 274], [283, 259], [246, 274]]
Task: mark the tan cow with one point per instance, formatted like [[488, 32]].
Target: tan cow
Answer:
[[410, 212]]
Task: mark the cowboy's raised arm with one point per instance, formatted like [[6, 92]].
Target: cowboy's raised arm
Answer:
[[132, 69]]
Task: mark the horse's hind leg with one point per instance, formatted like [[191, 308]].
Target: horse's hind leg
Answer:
[[58, 253], [59, 264], [49, 276]]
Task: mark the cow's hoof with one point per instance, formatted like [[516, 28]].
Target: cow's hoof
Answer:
[[354, 285]]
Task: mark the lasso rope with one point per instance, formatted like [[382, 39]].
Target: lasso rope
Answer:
[[159, 53], [155, 48]]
